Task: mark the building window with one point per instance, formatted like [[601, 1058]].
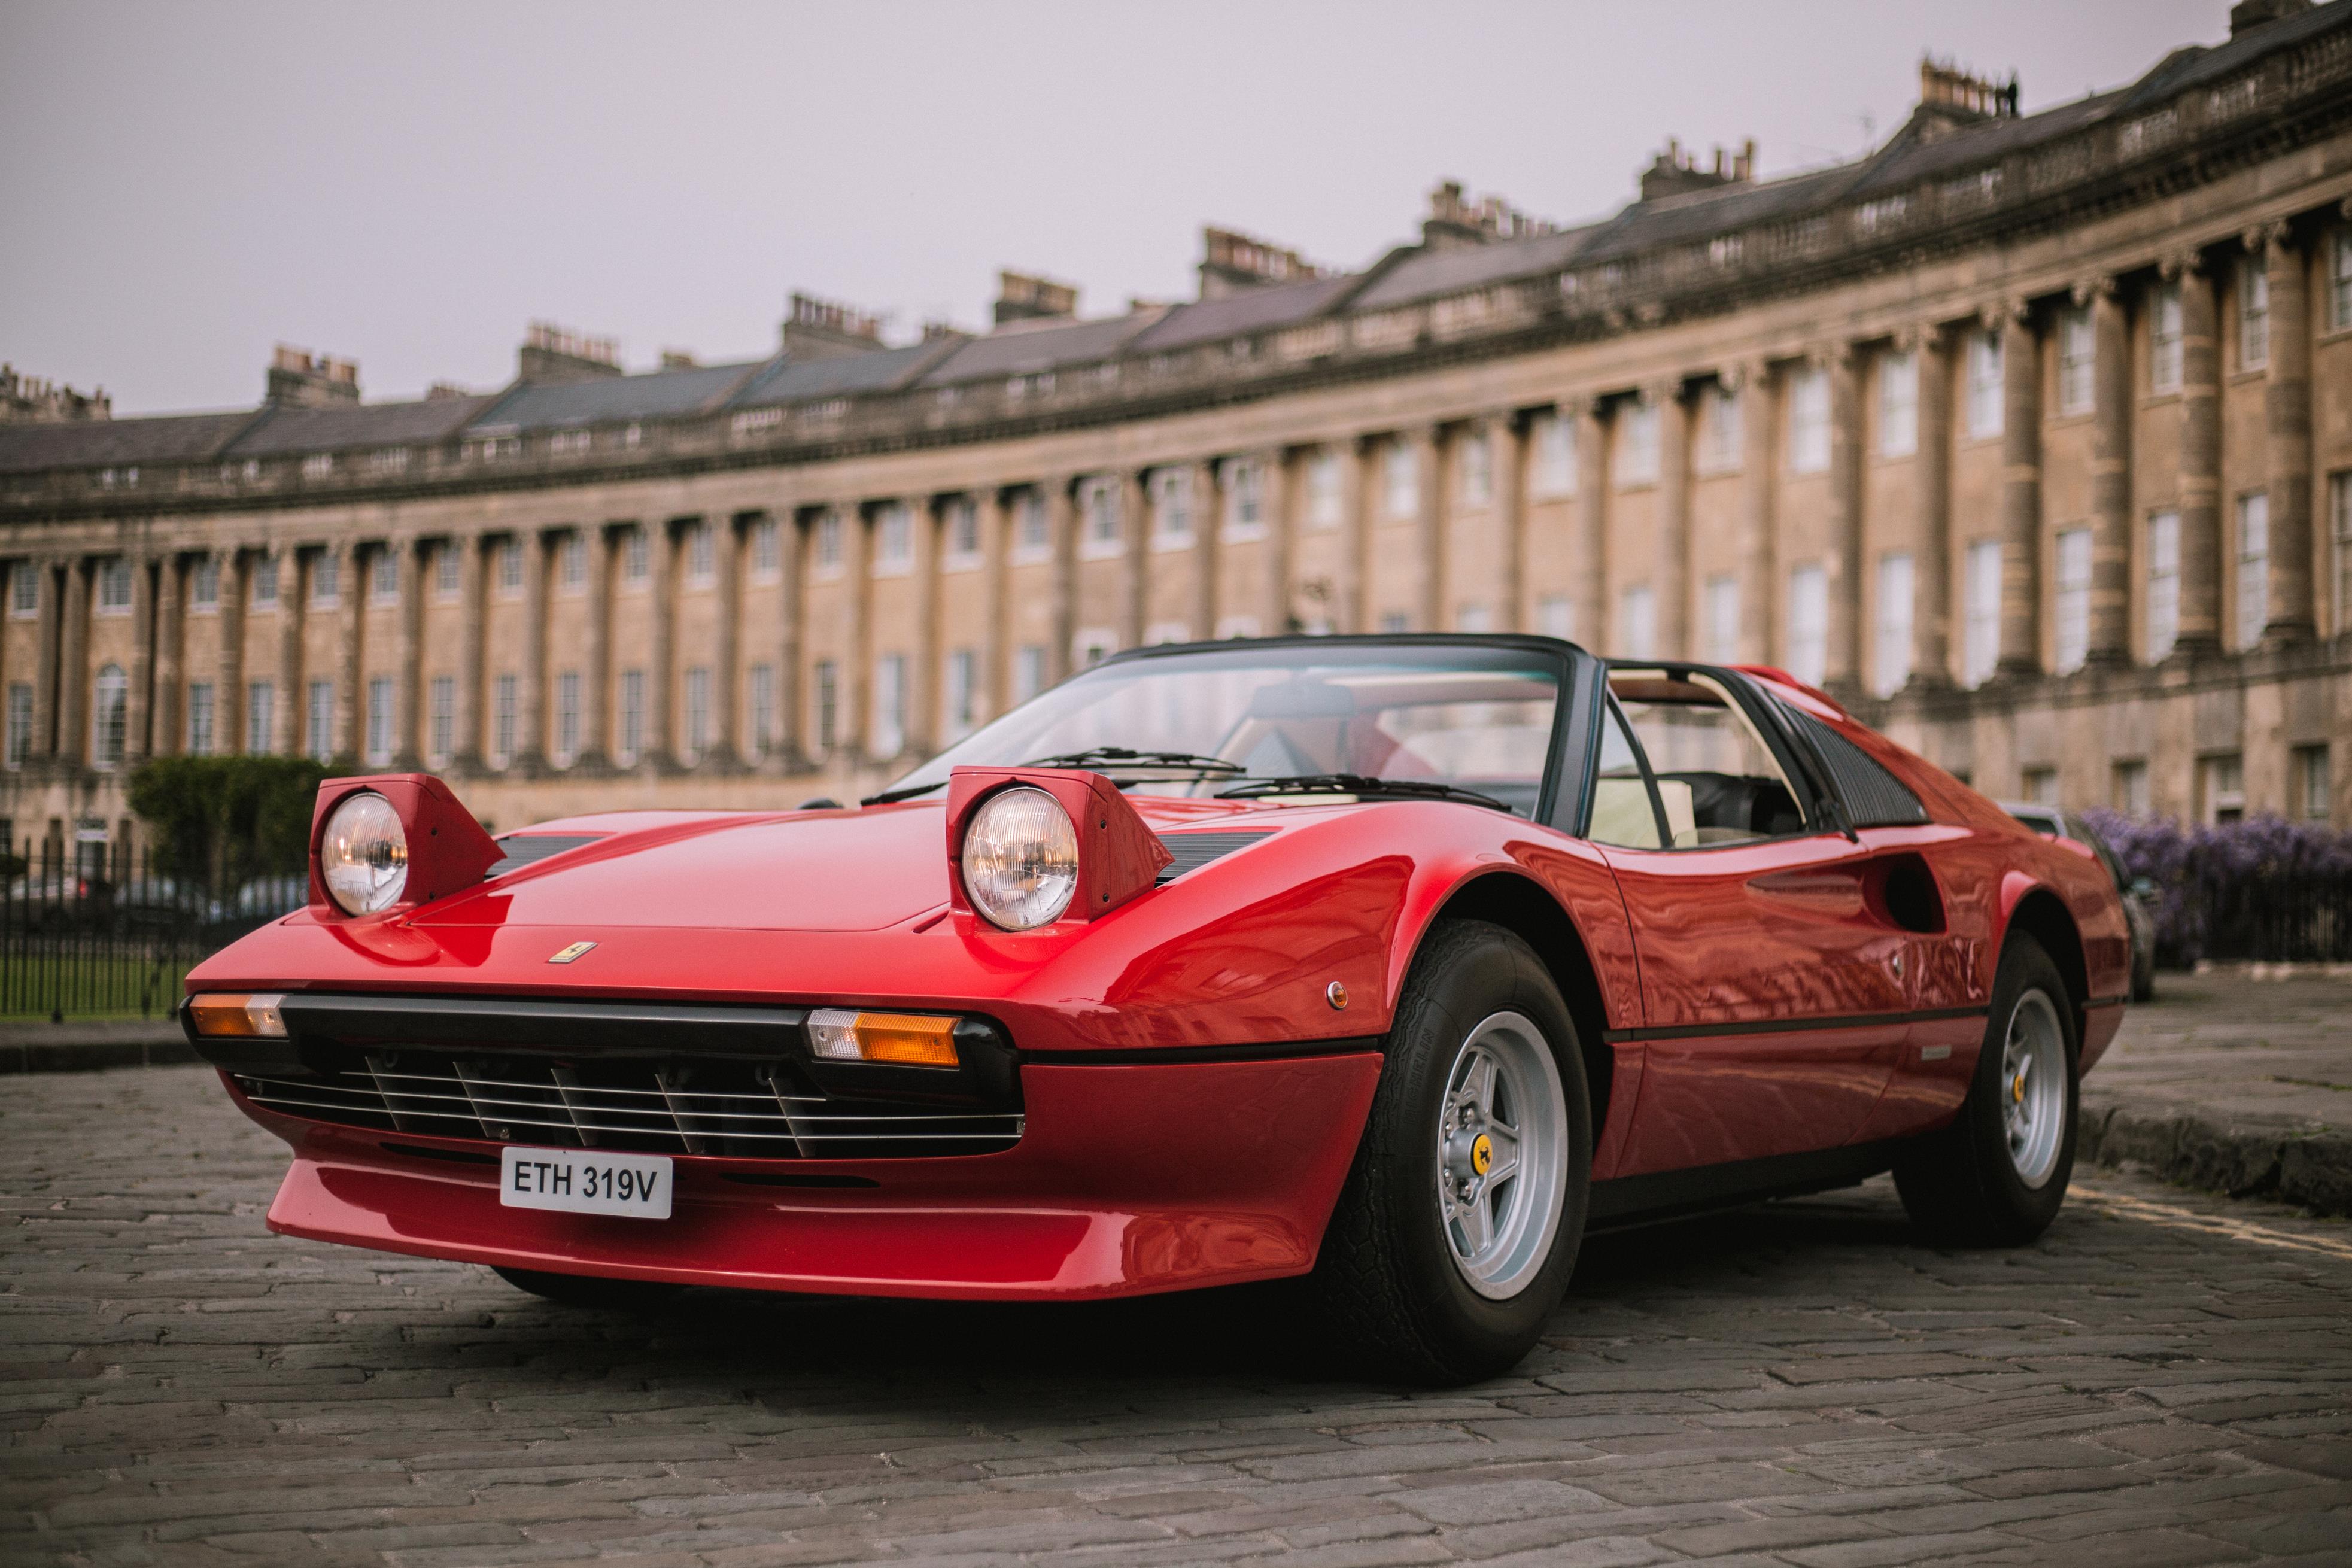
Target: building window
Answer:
[[1637, 450], [383, 577], [2339, 510], [2077, 361], [442, 738], [326, 580], [1720, 616], [1400, 483], [2339, 281], [114, 586], [637, 557], [2311, 782], [260, 717], [1808, 616], [1720, 430], [2040, 785], [200, 717], [1098, 503], [633, 714], [379, 720], [697, 712], [1324, 497], [1895, 609], [2127, 787], [1898, 405], [448, 571], [963, 532], [204, 586], [1172, 508], [1809, 420], [1637, 622], [894, 539], [509, 568], [889, 705], [2073, 608], [1246, 501], [1477, 469], [1394, 621], [1031, 533], [24, 590], [567, 717], [1093, 645], [111, 698], [319, 733], [1555, 616], [571, 562], [265, 583], [2221, 789], [828, 682], [1985, 412], [2254, 566], [760, 700], [505, 718], [767, 550], [701, 555], [20, 722], [1555, 445], [1981, 632], [2164, 340], [2163, 583], [2253, 314], [1028, 672], [317, 464], [1478, 619], [962, 692]]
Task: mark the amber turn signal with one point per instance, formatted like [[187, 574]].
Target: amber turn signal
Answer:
[[229, 1015], [905, 1039]]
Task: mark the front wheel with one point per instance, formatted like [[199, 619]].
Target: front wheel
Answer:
[[1455, 1236], [1997, 1175]]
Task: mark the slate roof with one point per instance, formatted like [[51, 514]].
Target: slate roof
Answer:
[[1251, 310], [788, 380], [1025, 349], [111, 443], [544, 405], [280, 432], [1429, 273]]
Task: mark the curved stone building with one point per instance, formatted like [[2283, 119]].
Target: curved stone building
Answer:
[[2031, 437]]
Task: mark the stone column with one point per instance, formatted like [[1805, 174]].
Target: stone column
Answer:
[[1844, 663], [925, 680], [138, 704], [596, 649], [350, 735], [2286, 406], [1670, 585], [791, 751], [531, 699], [1759, 606], [728, 746], [473, 599], [1273, 502], [48, 659], [2111, 454], [661, 660], [169, 737], [228, 699], [408, 684], [1507, 467], [1062, 539], [1135, 560], [1429, 526], [995, 522], [1931, 566], [1590, 597], [73, 664], [293, 705], [853, 697], [1208, 536], [2201, 458], [2020, 492]]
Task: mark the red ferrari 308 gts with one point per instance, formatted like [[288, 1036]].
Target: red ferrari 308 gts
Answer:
[[1392, 964]]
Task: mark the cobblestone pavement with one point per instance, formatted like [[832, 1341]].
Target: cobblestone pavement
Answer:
[[2166, 1379]]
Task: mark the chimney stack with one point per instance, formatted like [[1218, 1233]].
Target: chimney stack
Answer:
[[826, 329], [1674, 171], [2248, 14], [26, 400], [1231, 262], [550, 352], [298, 379], [1024, 297], [1454, 220], [1955, 94]]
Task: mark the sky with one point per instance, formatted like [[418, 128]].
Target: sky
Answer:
[[185, 185]]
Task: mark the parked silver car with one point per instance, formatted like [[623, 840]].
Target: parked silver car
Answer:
[[2138, 893]]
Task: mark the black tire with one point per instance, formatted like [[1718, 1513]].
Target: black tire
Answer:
[[591, 1291], [1960, 1185], [2143, 980], [1386, 1283]]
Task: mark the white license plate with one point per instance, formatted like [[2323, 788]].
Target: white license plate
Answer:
[[582, 1181]]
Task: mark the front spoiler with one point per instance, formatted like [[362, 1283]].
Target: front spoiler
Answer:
[[1128, 1179]]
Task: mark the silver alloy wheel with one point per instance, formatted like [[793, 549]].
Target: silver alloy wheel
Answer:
[[2033, 1087], [1502, 1155]]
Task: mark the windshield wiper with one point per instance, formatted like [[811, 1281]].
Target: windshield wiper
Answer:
[[1357, 783], [1097, 756], [907, 792]]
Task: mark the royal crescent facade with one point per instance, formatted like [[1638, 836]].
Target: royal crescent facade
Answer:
[[2029, 437]]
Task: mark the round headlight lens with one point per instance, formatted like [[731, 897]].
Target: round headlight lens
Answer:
[[1020, 859], [364, 855]]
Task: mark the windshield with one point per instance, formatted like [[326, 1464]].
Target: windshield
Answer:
[[1473, 716]]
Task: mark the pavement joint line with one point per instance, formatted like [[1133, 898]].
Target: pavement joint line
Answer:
[[2173, 1217]]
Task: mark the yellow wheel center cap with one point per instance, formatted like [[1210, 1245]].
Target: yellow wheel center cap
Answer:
[[1482, 1155], [2017, 1089]]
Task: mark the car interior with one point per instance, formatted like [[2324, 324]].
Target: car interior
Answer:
[[1683, 767]]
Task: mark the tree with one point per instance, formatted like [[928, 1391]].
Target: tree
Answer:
[[223, 821]]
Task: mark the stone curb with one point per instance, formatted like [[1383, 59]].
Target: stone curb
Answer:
[[2308, 1166], [87, 1047]]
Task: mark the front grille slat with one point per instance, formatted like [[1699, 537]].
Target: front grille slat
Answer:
[[686, 1106]]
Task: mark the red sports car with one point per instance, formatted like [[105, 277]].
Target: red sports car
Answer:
[[1390, 964]]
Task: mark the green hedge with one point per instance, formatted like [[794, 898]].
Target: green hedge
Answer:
[[220, 821]]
